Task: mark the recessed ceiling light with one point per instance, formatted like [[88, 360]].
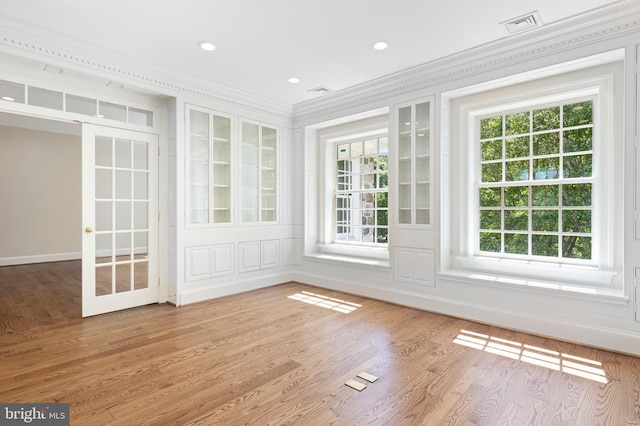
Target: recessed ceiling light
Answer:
[[380, 45], [207, 45], [293, 80], [8, 98]]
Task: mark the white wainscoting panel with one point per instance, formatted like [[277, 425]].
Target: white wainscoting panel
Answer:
[[292, 251], [198, 263], [270, 254], [403, 265], [249, 256], [222, 259], [415, 266], [424, 268]]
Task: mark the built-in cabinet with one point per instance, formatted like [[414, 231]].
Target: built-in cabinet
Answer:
[[209, 150], [414, 143], [259, 172]]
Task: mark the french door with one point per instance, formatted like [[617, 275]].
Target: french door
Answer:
[[120, 219]]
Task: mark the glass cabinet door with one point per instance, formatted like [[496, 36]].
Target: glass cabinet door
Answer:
[[221, 166], [209, 139], [250, 168], [199, 167], [268, 175], [414, 163], [259, 172]]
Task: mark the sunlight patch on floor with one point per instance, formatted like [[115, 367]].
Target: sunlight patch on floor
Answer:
[[570, 364], [325, 302]]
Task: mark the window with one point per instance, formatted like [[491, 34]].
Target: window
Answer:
[[532, 180], [536, 183], [361, 196]]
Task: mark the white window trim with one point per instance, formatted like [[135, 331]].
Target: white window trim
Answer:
[[605, 83], [328, 139]]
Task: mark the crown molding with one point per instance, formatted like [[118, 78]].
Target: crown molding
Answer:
[[608, 23], [34, 45]]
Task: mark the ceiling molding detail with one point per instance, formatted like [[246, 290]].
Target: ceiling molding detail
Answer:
[[242, 101], [491, 57]]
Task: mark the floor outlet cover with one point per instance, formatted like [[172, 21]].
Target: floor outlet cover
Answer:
[[356, 385], [368, 377]]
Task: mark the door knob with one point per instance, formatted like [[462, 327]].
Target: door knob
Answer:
[[88, 229]]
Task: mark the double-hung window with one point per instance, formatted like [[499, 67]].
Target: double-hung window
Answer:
[[361, 196], [536, 183]]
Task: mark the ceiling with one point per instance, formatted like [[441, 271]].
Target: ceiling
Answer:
[[261, 43]]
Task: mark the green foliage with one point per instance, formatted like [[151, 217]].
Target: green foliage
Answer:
[[516, 196], [516, 220], [576, 247], [517, 147], [517, 170], [546, 143], [576, 194], [492, 172], [490, 197], [546, 168], [545, 195], [382, 199], [577, 114], [544, 220], [576, 221], [516, 243], [578, 140], [382, 218], [575, 166], [544, 245], [516, 124], [546, 119], [490, 241], [490, 219], [491, 150], [491, 127]]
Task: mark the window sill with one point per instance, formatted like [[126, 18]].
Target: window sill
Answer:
[[538, 271], [362, 256], [538, 285]]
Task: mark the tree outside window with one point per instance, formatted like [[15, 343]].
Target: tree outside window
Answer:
[[535, 183]]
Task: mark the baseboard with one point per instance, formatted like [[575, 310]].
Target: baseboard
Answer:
[[598, 337], [40, 258], [214, 291]]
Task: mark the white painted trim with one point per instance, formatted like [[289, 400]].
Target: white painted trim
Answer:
[[237, 286], [40, 258], [599, 337]]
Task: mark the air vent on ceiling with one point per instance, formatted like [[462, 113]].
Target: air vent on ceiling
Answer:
[[115, 84], [524, 22], [52, 69], [320, 91]]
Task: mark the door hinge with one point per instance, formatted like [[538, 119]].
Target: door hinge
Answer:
[[158, 151], [158, 216], [158, 281]]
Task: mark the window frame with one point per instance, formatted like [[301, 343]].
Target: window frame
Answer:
[[560, 181], [375, 190], [604, 83], [328, 137]]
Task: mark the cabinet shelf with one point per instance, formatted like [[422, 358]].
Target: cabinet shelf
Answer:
[[209, 150], [414, 162], [259, 172]]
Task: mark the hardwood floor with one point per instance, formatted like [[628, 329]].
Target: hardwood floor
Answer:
[[272, 357]]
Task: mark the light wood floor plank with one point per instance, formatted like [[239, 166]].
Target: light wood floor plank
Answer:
[[262, 358]]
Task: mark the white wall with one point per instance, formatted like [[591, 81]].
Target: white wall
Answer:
[[417, 273], [40, 193]]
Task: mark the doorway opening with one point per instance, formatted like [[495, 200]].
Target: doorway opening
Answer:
[[40, 214]]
